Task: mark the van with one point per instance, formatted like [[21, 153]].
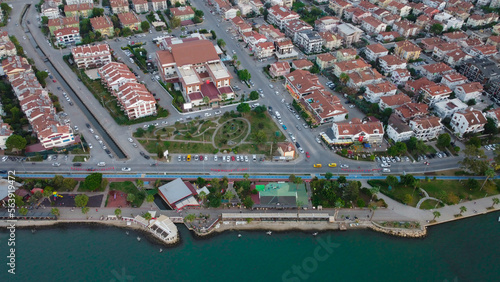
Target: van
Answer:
[[131, 60], [278, 115]]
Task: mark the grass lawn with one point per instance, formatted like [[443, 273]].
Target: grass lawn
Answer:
[[129, 188], [430, 204], [397, 193], [79, 159], [234, 130], [456, 190], [179, 147], [264, 122]]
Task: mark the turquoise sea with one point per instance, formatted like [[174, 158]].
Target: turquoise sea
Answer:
[[465, 250]]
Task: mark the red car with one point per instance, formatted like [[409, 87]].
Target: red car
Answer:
[[201, 158], [307, 155], [54, 80], [233, 158]]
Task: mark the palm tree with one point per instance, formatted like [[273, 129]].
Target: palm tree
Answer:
[[206, 100], [224, 96], [436, 215], [297, 181], [462, 209], [55, 211], [118, 212], [495, 201], [344, 78], [117, 32], [374, 191], [147, 216], [139, 183], [202, 196], [85, 210], [488, 173], [47, 192]]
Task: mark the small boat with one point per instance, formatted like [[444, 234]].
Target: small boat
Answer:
[[161, 250], [269, 232], [239, 235], [126, 232], [33, 231], [315, 233], [138, 238], [499, 219]]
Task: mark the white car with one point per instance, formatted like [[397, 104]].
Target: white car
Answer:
[[208, 114], [130, 140], [385, 165], [56, 164], [280, 122], [218, 112], [4, 158], [101, 164], [352, 106], [164, 122], [90, 145], [344, 166], [215, 158], [386, 170], [126, 169], [246, 158], [271, 86]]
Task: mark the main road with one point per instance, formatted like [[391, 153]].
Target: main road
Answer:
[[319, 153]]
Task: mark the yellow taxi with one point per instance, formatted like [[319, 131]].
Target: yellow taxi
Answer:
[[332, 165], [317, 165], [189, 158]]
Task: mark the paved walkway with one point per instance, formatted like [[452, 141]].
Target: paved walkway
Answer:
[[426, 198]]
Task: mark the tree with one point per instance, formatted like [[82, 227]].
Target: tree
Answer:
[[462, 209], [474, 141], [150, 198], [214, 36], [328, 175], [474, 160], [97, 12], [199, 13], [206, 100], [147, 216], [81, 200], [243, 108], [145, 25], [139, 183], [221, 43], [47, 192], [85, 210], [130, 198], [55, 211], [495, 201], [412, 144], [490, 127], [342, 179], [16, 142], [23, 211], [436, 28], [489, 173], [190, 217], [408, 180], [260, 137], [472, 184], [118, 212], [248, 202], [254, 95], [126, 31], [291, 178], [117, 32], [407, 199], [244, 75], [398, 148], [91, 35], [93, 181], [436, 215], [391, 180], [41, 76], [344, 78], [202, 196], [374, 191], [228, 195], [444, 140], [297, 181]]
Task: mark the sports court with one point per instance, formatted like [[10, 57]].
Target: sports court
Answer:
[[281, 194]]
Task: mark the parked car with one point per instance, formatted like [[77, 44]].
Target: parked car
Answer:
[[126, 169]]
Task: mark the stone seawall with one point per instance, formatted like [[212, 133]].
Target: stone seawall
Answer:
[[400, 232]]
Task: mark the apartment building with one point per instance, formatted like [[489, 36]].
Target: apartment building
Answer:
[[88, 56]]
